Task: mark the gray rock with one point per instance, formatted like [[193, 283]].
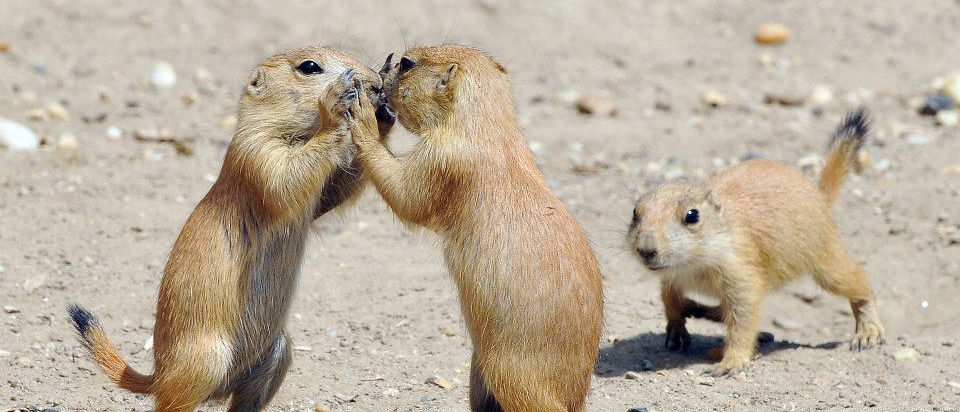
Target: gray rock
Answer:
[[936, 103]]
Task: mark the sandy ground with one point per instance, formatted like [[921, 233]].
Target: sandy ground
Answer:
[[376, 314]]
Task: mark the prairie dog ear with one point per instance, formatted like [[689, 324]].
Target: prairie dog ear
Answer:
[[500, 67], [712, 201], [452, 70], [257, 83]]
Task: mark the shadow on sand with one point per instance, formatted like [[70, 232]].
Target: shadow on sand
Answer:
[[630, 354]]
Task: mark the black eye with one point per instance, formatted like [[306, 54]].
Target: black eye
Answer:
[[635, 219], [692, 217], [406, 64], [309, 67]]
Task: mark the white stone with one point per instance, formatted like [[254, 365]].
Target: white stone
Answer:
[[16, 136], [821, 95], [948, 118], [67, 141], [114, 132], [163, 75]]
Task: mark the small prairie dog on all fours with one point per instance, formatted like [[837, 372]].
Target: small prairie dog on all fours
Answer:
[[228, 284], [528, 281], [748, 231]]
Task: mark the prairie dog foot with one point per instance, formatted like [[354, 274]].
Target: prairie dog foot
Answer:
[[677, 336], [869, 332]]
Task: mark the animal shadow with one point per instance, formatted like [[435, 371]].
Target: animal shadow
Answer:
[[646, 351]]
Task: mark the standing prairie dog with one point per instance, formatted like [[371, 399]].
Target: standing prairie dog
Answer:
[[228, 284], [748, 231], [528, 282]]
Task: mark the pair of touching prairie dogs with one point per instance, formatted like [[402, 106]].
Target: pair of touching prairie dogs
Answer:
[[313, 121], [310, 123]]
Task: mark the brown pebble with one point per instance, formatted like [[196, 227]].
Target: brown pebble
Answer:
[[771, 33], [596, 105], [4, 47], [783, 99]]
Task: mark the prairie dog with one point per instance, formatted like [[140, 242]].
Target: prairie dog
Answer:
[[528, 281], [228, 284], [747, 231]]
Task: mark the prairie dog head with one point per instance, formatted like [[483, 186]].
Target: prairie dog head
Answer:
[[675, 226], [428, 84], [282, 95]]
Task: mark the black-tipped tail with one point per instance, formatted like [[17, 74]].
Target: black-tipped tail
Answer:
[[845, 144], [853, 129], [105, 354], [81, 318]]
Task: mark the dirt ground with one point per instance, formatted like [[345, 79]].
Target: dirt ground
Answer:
[[376, 314]]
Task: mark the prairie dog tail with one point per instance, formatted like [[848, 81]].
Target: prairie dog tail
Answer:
[[844, 146], [105, 354]]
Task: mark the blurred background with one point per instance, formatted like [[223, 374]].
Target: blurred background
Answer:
[[115, 118]]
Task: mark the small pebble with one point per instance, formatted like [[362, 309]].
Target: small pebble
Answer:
[[114, 132], [320, 408], [568, 96], [37, 115], [663, 106], [16, 136], [148, 344], [771, 33], [646, 365], [190, 98], [713, 98], [32, 283], [11, 309], [916, 138], [936, 103], [783, 99], [809, 162], [906, 354], [948, 118], [4, 47], [57, 111], [820, 95], [596, 105], [67, 141], [631, 375], [438, 381], [163, 75], [638, 410], [391, 393]]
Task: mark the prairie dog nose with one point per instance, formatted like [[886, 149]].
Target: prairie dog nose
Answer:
[[647, 254]]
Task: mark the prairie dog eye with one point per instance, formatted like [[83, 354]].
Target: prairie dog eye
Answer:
[[406, 64], [309, 67], [635, 219], [692, 217]]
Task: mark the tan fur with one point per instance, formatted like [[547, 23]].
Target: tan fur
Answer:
[[528, 282], [761, 225], [229, 281]]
